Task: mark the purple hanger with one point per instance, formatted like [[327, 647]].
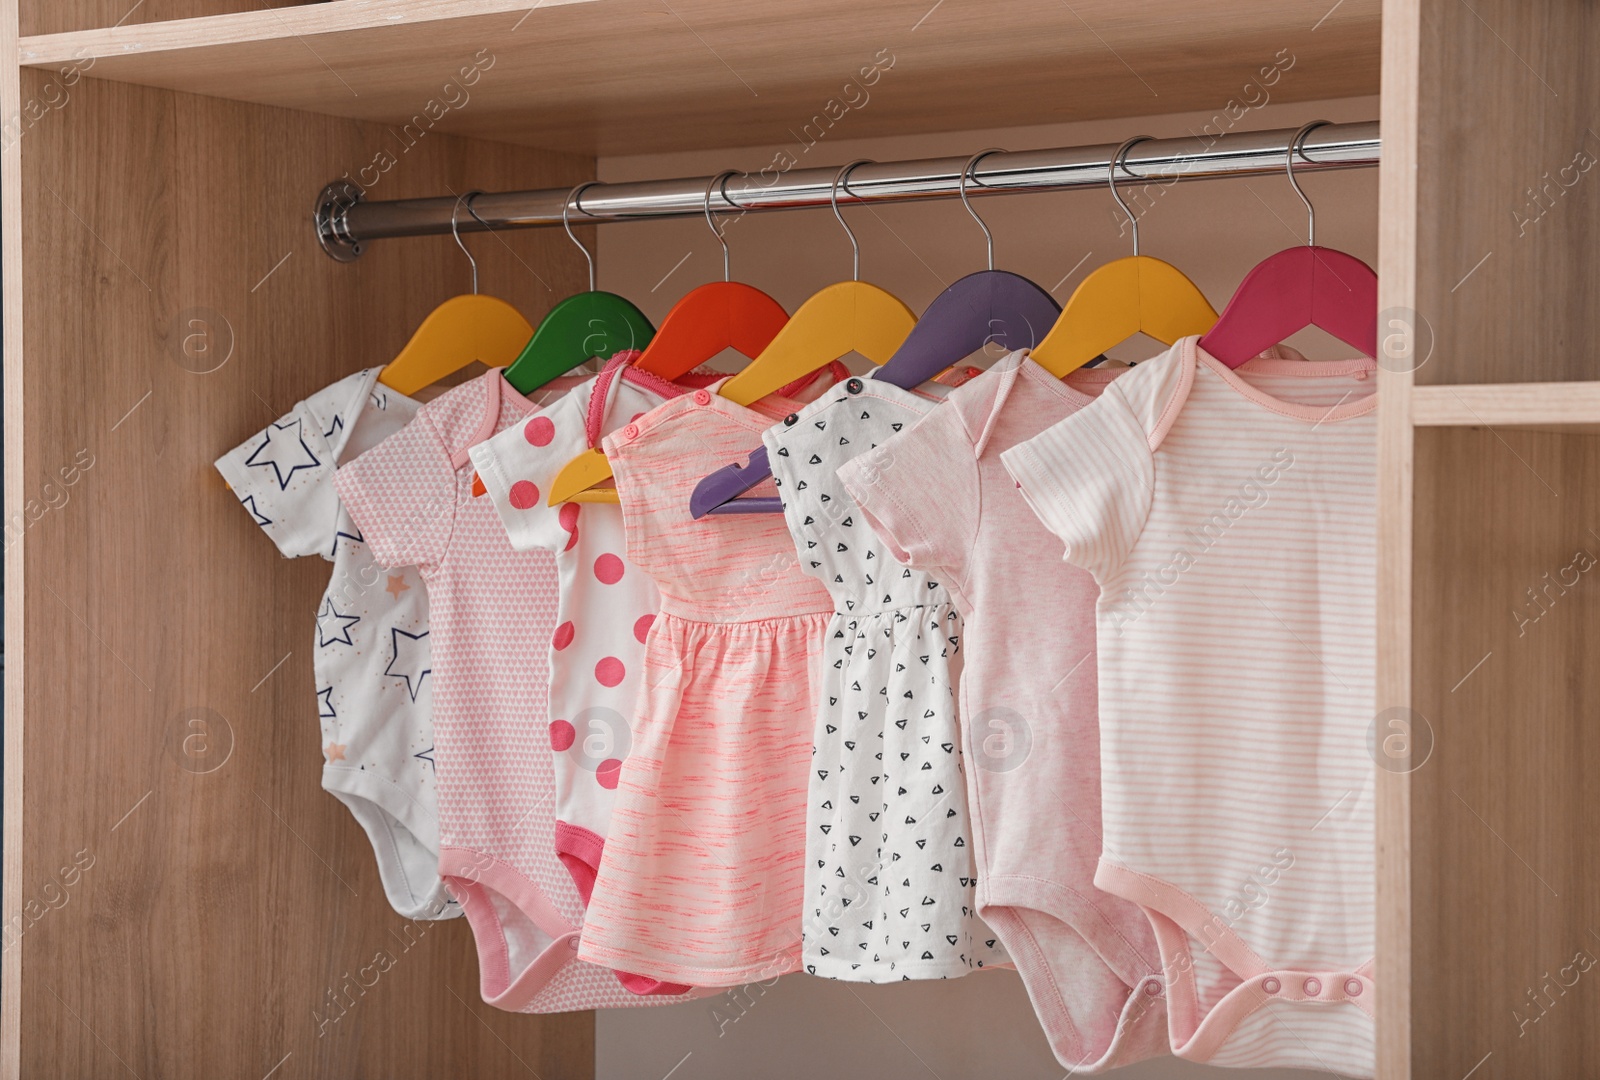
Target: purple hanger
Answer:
[[988, 306], [719, 493]]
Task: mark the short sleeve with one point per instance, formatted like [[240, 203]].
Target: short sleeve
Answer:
[[284, 478], [517, 468], [1089, 478], [919, 492], [402, 495]]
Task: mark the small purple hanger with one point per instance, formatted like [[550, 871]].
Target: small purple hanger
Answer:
[[719, 493]]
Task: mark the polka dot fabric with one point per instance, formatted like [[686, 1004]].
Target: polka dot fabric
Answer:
[[701, 880], [889, 867], [493, 617]]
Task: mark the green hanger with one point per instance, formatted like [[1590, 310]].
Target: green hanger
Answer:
[[579, 328]]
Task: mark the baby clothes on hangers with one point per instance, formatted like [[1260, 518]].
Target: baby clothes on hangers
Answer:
[[938, 497], [889, 872], [494, 611], [606, 606], [701, 878], [1228, 517], [370, 654]]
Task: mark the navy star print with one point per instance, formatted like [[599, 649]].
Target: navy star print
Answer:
[[333, 628], [414, 657], [280, 450]]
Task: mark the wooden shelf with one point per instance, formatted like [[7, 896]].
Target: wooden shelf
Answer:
[[640, 76], [1568, 405]]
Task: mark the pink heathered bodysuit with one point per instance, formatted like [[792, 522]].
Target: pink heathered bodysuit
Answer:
[[493, 614], [938, 496], [701, 880]]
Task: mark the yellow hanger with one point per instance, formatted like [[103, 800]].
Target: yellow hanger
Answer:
[[850, 316], [457, 332], [1138, 294]]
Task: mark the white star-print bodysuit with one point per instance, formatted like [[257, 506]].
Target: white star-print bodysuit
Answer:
[[370, 646], [889, 875]]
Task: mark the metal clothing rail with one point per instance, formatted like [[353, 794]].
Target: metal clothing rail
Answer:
[[345, 221]]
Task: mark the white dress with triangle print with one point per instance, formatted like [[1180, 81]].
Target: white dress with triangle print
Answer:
[[889, 870]]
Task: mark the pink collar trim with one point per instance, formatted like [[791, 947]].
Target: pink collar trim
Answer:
[[1192, 355], [600, 392]]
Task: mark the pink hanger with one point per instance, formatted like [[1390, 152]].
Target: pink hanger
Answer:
[[1300, 287]]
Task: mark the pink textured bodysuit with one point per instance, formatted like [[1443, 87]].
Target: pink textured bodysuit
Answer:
[[493, 614], [701, 879]]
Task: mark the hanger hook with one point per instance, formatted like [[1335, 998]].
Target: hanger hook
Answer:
[[469, 196], [720, 182], [1119, 160], [843, 176], [1297, 145], [575, 197], [966, 170]]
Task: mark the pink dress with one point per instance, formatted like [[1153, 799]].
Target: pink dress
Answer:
[[702, 881]]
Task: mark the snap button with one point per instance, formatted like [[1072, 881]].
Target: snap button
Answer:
[[1271, 986], [1313, 987], [702, 397], [1152, 988], [572, 943], [1352, 987], [854, 386], [631, 431], [790, 420]]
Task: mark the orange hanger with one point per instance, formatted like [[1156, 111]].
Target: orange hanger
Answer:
[[719, 315], [1138, 294], [849, 316], [459, 331]]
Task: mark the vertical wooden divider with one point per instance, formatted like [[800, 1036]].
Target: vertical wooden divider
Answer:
[[178, 922]]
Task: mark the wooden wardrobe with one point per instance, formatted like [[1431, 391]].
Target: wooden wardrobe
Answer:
[[179, 897]]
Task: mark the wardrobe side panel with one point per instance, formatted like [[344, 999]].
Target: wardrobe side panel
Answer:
[[1508, 192], [11, 351], [1396, 265], [1505, 827], [203, 908]]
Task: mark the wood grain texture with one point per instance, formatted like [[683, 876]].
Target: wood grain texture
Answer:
[[1508, 226], [1505, 828], [11, 351], [639, 76], [1509, 405], [1397, 222], [60, 16], [222, 910]]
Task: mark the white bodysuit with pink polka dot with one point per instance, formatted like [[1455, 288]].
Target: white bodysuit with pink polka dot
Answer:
[[606, 605]]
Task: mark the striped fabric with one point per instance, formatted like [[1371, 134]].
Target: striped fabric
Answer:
[[1229, 519], [701, 878]]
